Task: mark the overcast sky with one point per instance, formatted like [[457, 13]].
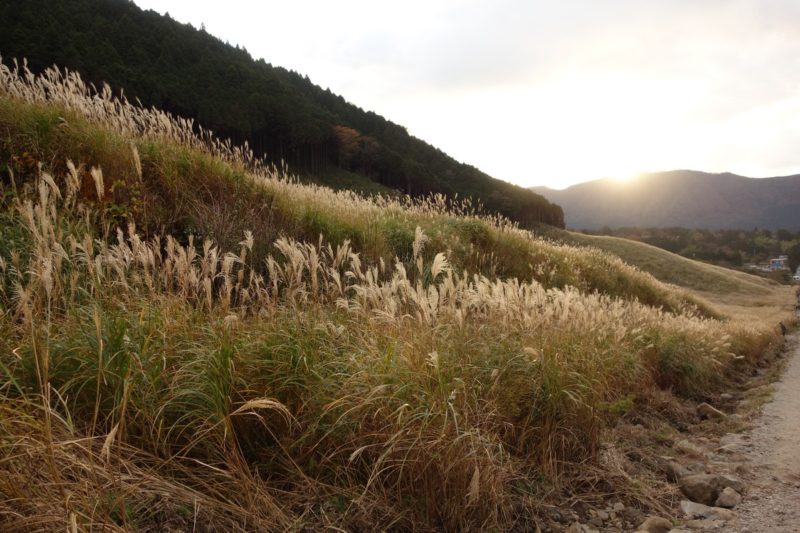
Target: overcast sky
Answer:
[[548, 92]]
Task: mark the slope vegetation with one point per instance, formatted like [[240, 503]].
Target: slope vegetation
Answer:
[[188, 337], [672, 268], [280, 113]]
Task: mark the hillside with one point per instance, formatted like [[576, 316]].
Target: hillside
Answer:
[[672, 268], [281, 114], [192, 340], [682, 198]]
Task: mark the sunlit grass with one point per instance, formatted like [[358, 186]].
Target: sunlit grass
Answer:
[[188, 336]]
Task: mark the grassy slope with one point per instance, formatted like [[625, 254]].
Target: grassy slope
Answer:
[[281, 113], [672, 268], [733, 292], [266, 395], [186, 191]]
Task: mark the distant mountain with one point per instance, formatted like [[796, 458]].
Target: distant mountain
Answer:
[[684, 198], [280, 113]]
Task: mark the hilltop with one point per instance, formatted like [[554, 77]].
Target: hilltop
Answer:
[[281, 114], [683, 198], [191, 338]]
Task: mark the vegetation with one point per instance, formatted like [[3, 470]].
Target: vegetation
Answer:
[[191, 339], [732, 248], [668, 267], [280, 113]]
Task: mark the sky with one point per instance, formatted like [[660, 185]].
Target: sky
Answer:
[[548, 92]]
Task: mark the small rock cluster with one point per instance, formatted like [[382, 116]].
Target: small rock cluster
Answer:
[[615, 517], [710, 497]]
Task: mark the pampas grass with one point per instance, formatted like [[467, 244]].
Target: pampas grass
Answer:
[[360, 379]]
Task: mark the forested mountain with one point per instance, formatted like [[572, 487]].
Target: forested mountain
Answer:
[[280, 113], [683, 198]]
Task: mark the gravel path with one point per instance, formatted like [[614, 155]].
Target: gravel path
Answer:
[[772, 503]]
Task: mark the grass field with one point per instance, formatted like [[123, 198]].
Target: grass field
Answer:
[[733, 292], [192, 340]]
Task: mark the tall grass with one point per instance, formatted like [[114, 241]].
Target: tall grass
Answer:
[[171, 177], [382, 374]]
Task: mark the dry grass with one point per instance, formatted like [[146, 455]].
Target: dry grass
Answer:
[[733, 293], [380, 375]]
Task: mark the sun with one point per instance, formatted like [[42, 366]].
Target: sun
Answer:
[[625, 178]]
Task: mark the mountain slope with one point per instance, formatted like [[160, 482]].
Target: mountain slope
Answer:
[[281, 114], [682, 198]]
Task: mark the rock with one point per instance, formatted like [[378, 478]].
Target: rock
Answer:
[[602, 515], [700, 488], [710, 412], [730, 481], [693, 509], [656, 524], [687, 448], [705, 488], [575, 527], [726, 396], [618, 507], [728, 498], [675, 471], [722, 514], [698, 510]]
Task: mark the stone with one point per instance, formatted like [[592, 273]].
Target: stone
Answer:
[[656, 524], [705, 488], [698, 510], [700, 488], [722, 514], [618, 507], [710, 412], [687, 448], [730, 481], [728, 498], [726, 396], [693, 509], [675, 471]]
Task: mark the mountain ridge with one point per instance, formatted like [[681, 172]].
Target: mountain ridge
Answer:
[[687, 198]]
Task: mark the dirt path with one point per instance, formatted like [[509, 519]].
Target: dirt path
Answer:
[[772, 459]]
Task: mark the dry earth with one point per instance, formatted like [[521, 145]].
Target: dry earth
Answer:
[[759, 460], [772, 458]]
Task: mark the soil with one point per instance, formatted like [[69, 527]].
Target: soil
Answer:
[[772, 458]]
